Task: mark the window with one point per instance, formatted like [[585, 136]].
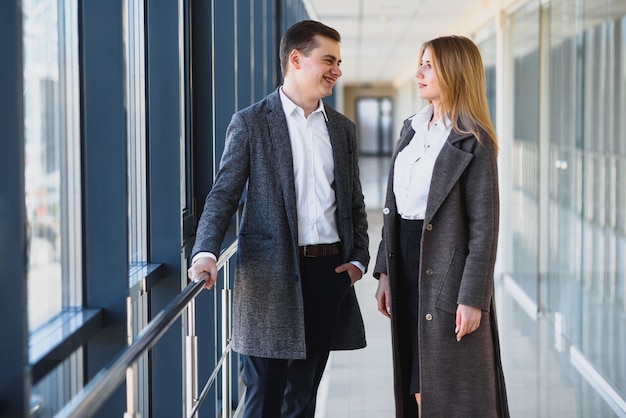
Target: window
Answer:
[[525, 50], [52, 155], [136, 131]]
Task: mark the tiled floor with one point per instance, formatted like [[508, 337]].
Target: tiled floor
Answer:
[[542, 372]]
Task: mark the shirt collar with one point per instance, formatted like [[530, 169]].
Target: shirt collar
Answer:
[[289, 106], [423, 117]]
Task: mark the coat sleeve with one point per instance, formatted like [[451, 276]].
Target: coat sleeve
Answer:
[[359, 216], [482, 212], [223, 199], [381, 260]]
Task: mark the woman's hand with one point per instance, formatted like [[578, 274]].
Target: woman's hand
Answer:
[[383, 295], [467, 320]]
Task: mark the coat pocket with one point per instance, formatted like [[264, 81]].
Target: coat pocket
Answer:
[[449, 291], [255, 248]]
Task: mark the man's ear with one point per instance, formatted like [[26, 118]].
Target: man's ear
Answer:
[[294, 59]]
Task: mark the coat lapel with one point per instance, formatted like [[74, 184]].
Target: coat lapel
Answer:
[[405, 138], [279, 135], [449, 167], [339, 143]]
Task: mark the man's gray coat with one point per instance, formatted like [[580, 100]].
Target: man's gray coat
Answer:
[[268, 318], [458, 253]]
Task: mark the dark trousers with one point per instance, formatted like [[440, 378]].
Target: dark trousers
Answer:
[[287, 388], [406, 310], [410, 235]]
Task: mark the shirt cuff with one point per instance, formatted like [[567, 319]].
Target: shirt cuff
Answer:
[[203, 254], [359, 265]]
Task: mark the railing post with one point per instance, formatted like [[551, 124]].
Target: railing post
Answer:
[[131, 371], [226, 337], [131, 386], [191, 360]]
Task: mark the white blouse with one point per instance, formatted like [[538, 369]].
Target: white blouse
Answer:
[[413, 169]]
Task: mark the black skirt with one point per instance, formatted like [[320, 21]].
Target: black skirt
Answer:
[[409, 241]]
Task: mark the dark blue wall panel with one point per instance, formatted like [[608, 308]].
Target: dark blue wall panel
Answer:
[[14, 375], [104, 182], [164, 136]]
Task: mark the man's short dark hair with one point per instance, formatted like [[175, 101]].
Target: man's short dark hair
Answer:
[[301, 36]]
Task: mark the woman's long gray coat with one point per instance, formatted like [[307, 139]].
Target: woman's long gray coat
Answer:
[[458, 251]]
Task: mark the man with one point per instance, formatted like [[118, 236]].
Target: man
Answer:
[[303, 236]]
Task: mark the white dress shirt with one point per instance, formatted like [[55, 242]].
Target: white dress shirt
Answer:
[[313, 170], [413, 169]]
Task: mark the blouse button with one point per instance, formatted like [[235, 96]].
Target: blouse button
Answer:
[[429, 317]]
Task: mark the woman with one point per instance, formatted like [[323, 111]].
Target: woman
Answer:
[[436, 259]]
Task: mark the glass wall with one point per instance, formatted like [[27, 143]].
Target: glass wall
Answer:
[[566, 166], [602, 318], [583, 290], [525, 50], [52, 170], [587, 195], [52, 181], [136, 120]]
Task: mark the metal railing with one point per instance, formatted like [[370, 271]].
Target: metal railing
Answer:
[[105, 382]]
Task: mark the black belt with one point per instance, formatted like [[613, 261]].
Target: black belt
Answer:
[[320, 250]]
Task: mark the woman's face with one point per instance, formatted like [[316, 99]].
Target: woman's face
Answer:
[[427, 84]]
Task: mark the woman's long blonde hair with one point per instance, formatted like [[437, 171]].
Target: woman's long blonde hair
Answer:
[[458, 67]]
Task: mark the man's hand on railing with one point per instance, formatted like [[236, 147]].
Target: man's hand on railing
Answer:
[[204, 268]]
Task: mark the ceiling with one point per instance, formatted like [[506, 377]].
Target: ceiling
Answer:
[[381, 38]]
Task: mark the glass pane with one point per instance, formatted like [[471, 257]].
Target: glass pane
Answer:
[[488, 51], [566, 165], [525, 43], [586, 288], [136, 120], [374, 124], [51, 132], [367, 111], [603, 278], [386, 126], [135, 84]]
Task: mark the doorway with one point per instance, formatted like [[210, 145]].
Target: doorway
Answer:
[[374, 117]]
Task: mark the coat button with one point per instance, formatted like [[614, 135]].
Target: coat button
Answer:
[[390, 255], [429, 227], [429, 317], [429, 272], [386, 211]]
